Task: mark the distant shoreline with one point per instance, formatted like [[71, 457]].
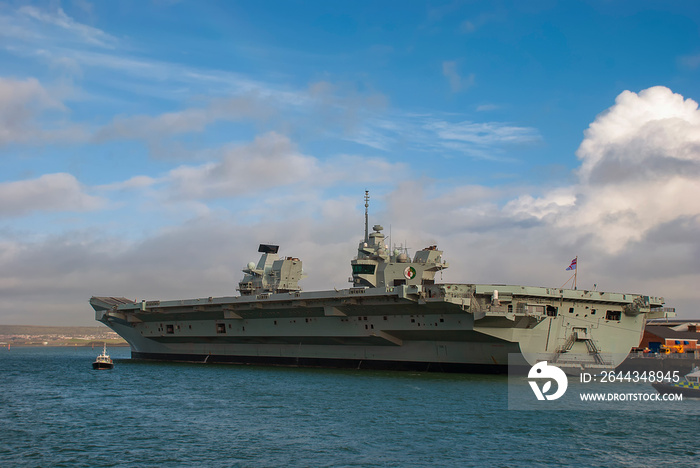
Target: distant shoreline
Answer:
[[39, 336], [46, 330]]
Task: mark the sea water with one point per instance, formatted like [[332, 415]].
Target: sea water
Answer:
[[56, 411]]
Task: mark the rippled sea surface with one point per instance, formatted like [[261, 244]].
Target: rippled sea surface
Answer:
[[56, 411]]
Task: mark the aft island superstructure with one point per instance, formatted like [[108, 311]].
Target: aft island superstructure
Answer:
[[394, 316]]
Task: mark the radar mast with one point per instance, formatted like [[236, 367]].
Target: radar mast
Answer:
[[366, 216]]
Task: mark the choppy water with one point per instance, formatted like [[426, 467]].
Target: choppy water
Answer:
[[56, 411]]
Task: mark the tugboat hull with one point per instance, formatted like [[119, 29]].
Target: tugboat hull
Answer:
[[102, 365]]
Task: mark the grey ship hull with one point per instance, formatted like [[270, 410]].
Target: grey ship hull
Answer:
[[484, 355], [456, 327]]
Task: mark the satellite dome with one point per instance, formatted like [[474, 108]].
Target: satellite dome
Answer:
[[251, 265]]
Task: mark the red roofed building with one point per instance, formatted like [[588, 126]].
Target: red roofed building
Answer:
[[676, 335]]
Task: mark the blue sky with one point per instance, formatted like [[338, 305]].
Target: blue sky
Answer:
[[146, 148]]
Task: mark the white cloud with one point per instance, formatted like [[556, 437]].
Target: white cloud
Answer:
[[554, 203], [272, 161], [640, 168], [484, 133], [186, 121], [440, 135], [78, 48], [22, 104], [58, 19], [50, 192], [645, 137], [136, 182], [324, 109]]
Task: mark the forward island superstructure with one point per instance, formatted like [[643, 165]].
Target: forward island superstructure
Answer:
[[394, 316]]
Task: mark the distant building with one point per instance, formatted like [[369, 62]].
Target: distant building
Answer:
[[676, 335]]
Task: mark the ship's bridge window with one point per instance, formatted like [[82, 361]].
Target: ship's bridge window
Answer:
[[363, 269], [551, 311]]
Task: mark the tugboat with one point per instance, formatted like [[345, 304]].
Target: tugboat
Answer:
[[103, 361], [689, 388]]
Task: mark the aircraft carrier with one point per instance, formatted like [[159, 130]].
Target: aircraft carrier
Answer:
[[394, 316]]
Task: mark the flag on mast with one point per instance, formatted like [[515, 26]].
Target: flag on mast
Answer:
[[573, 264]]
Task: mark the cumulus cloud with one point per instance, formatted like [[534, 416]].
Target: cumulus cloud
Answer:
[[648, 136], [51, 192], [640, 167]]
